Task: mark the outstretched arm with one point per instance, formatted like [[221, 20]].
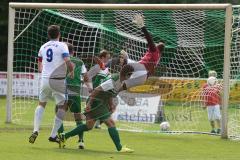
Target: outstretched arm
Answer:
[[149, 39], [69, 66], [139, 21]]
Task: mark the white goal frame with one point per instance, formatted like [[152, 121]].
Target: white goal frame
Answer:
[[227, 41]]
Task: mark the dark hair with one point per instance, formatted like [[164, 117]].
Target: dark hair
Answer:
[[161, 41], [126, 70], [103, 53], [161, 46], [53, 31], [70, 48]]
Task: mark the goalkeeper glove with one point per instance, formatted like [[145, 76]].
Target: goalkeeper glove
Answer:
[[138, 20]]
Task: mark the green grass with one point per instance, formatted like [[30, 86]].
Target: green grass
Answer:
[[174, 113], [14, 144]]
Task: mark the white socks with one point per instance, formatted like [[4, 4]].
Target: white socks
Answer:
[[38, 118], [57, 122]]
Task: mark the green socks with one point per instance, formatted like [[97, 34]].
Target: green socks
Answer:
[[115, 137], [80, 134], [76, 131], [61, 129], [83, 127]]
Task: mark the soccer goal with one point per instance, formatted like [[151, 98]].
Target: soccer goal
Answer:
[[234, 107], [197, 38]]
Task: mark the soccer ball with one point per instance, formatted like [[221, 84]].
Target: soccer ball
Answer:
[[211, 81], [164, 126]]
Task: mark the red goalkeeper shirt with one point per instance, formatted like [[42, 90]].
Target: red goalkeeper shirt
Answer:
[[152, 56], [151, 59], [211, 95]]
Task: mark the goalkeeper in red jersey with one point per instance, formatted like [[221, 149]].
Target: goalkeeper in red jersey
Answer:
[[153, 54], [147, 64]]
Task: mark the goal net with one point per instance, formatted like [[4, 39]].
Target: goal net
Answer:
[[194, 41], [234, 107]]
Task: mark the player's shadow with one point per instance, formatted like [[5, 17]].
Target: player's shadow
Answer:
[[73, 151], [85, 151], [77, 151]]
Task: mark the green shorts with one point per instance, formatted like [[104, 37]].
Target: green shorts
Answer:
[[74, 103], [99, 109]]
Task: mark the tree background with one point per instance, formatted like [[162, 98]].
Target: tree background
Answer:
[[4, 15]]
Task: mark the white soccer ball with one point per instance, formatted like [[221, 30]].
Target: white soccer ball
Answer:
[[165, 126], [211, 81]]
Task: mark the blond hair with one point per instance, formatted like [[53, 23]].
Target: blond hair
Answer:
[[212, 73]]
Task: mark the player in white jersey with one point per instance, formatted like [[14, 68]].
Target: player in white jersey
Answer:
[[52, 60]]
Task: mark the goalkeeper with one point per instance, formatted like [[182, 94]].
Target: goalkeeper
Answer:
[[147, 64], [100, 106], [73, 91]]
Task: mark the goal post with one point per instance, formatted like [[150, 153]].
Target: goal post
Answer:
[[226, 71], [84, 17], [11, 18]]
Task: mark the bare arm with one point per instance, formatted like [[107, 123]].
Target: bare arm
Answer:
[[85, 78], [87, 82], [40, 64], [69, 66]]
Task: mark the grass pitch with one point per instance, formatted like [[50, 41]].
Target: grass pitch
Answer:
[[14, 146], [148, 146]]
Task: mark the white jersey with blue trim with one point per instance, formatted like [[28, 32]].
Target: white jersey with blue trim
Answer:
[[53, 54]]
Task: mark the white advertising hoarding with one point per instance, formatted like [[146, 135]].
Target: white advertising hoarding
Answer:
[[131, 107], [136, 107], [24, 84]]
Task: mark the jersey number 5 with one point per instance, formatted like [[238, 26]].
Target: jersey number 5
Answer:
[[49, 55]]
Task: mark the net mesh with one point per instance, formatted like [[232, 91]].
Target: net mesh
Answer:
[[234, 108], [194, 45]]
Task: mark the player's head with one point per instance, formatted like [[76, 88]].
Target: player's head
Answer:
[[212, 73], [123, 57], [161, 46], [104, 56], [211, 81], [126, 72], [53, 32], [70, 48]]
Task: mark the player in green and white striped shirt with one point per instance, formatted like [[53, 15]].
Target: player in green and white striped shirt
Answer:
[[100, 106], [102, 59], [74, 86]]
